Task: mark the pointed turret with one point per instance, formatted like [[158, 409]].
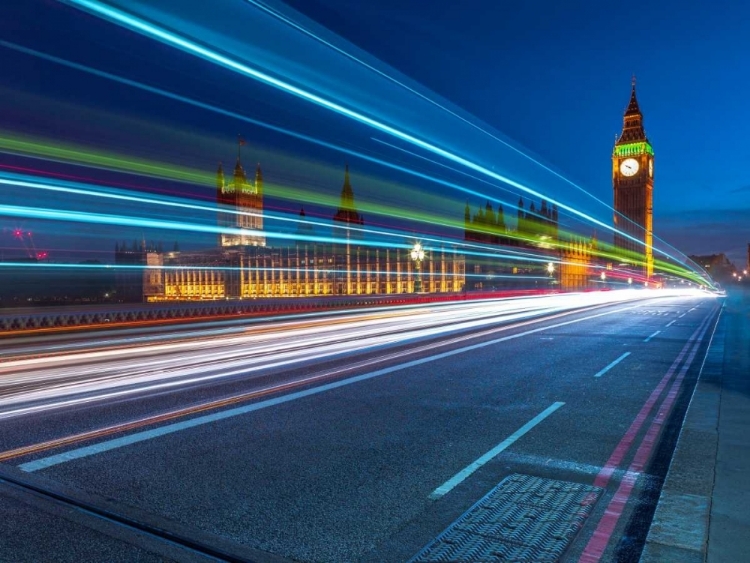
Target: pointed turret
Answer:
[[632, 121], [633, 108], [347, 213], [220, 178], [258, 180], [239, 175], [500, 217], [347, 193]]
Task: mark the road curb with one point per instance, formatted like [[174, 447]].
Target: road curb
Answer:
[[679, 529]]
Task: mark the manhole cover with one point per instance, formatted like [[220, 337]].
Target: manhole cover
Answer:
[[523, 519]]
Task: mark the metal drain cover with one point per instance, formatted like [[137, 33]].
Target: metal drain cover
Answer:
[[523, 519]]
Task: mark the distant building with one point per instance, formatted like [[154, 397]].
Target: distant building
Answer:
[[536, 229], [633, 184], [347, 211], [243, 266], [577, 257], [718, 266], [240, 207]]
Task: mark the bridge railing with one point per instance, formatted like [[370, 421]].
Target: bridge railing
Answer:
[[60, 318]]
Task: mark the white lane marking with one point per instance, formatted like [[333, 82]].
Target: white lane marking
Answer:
[[682, 315], [472, 467], [613, 364], [108, 445], [650, 337], [671, 323], [693, 309]]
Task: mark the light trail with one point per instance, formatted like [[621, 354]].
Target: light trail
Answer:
[[697, 276], [485, 130], [183, 43], [384, 236], [169, 38], [83, 376]]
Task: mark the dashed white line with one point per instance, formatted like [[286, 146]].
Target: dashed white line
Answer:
[[144, 435], [682, 315], [670, 323], [613, 364], [472, 467], [650, 337]]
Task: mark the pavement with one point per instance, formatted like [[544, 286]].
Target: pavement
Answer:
[[702, 514]]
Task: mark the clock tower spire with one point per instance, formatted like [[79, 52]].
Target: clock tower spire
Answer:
[[633, 184]]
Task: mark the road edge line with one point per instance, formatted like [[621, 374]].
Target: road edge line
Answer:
[[672, 535]]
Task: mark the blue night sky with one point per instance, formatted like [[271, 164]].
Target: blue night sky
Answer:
[[554, 77]]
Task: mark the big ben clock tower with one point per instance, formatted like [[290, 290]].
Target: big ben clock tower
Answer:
[[633, 183]]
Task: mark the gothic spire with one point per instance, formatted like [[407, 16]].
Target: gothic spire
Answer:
[[220, 178], [633, 108], [347, 194], [347, 213], [632, 121], [258, 180]]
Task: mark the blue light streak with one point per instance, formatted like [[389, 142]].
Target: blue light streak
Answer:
[[151, 30]]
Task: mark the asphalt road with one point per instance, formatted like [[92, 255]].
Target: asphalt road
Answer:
[[340, 438]]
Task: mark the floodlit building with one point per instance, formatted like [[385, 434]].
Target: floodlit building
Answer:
[[633, 185], [243, 266]]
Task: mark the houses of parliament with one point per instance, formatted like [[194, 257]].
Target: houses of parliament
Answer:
[[242, 265]]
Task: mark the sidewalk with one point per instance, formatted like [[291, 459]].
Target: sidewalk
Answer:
[[703, 515]]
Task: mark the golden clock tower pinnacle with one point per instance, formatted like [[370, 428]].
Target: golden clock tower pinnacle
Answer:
[[633, 184]]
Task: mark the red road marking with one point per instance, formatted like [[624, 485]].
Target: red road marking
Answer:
[[603, 533], [627, 440]]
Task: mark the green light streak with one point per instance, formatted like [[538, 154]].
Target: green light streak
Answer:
[[76, 154]]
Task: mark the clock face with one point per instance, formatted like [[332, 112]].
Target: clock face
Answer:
[[651, 167], [629, 167]]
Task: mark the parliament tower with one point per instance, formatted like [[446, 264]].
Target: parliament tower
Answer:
[[633, 183], [240, 205]]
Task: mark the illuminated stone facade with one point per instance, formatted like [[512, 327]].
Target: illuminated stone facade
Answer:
[[633, 184], [302, 271], [244, 267], [240, 206], [576, 259]]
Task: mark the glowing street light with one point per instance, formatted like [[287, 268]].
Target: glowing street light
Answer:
[[550, 268], [603, 276], [417, 254], [630, 281]]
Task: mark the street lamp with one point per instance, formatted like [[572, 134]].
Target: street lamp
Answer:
[[603, 276], [417, 254], [550, 268], [630, 281]]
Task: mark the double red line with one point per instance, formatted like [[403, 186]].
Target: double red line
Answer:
[[603, 533]]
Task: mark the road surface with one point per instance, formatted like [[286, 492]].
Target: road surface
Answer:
[[357, 436]]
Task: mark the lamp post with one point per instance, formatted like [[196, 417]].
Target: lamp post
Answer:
[[550, 268], [417, 254]]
